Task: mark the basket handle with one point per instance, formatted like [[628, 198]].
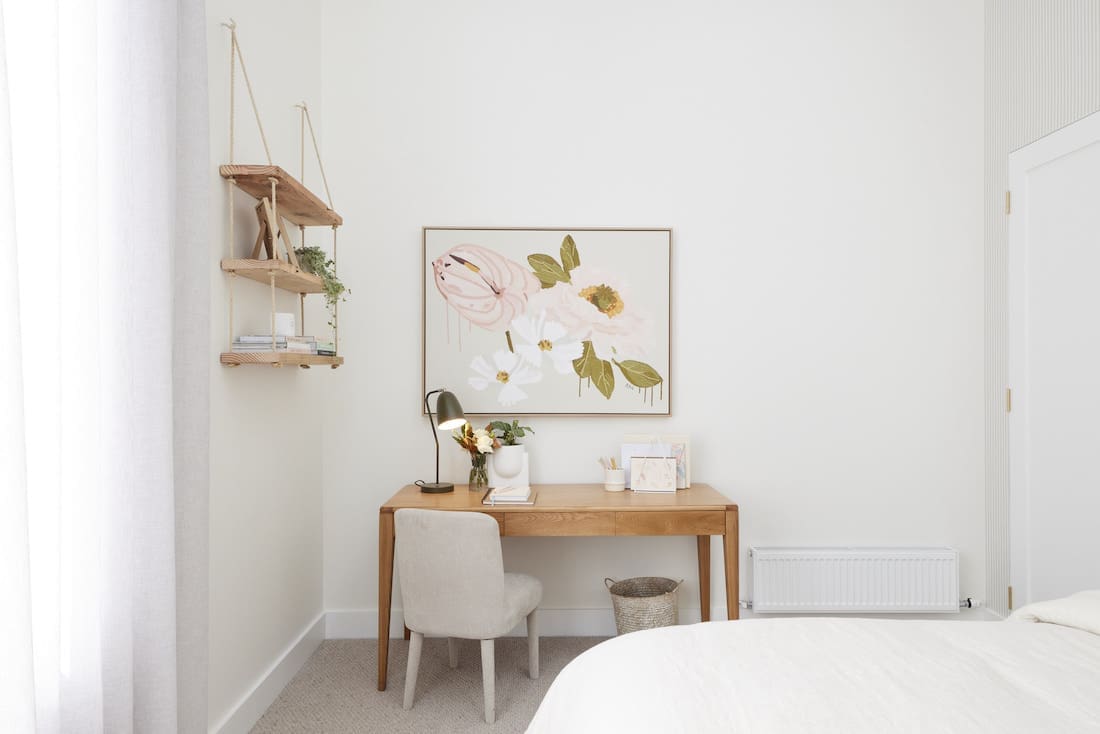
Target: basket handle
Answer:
[[609, 582], [678, 585]]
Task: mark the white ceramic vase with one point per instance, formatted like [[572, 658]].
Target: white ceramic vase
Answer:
[[508, 460]]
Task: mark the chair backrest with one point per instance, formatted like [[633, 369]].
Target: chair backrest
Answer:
[[451, 572]]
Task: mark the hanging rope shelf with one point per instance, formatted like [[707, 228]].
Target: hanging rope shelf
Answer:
[[279, 198]]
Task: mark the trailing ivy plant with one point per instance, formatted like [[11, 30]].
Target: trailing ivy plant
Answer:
[[314, 260]]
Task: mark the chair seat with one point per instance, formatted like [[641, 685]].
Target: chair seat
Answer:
[[522, 593]]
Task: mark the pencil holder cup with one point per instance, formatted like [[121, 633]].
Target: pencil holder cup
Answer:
[[614, 480]]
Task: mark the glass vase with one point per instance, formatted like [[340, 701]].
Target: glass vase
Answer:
[[479, 475]]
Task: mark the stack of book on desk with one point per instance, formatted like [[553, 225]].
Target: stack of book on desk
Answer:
[[263, 343], [509, 496]]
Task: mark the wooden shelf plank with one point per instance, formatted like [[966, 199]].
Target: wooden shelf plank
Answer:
[[278, 359], [295, 201], [287, 277]]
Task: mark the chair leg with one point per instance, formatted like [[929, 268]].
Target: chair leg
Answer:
[[488, 680], [452, 652], [416, 644], [533, 644]]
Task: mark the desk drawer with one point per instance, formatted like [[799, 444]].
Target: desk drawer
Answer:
[[559, 523], [703, 522]]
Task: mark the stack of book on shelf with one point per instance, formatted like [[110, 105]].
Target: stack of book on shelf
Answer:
[[327, 349], [521, 495], [263, 343]]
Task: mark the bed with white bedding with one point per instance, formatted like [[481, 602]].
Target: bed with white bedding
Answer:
[[1038, 671]]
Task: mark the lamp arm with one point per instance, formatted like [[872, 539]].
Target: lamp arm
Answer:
[[435, 434]]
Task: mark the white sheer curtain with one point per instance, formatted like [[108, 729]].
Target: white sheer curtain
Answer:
[[105, 314]]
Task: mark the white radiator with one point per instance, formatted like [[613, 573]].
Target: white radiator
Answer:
[[859, 580]]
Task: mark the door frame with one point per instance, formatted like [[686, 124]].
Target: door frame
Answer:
[[1021, 162]]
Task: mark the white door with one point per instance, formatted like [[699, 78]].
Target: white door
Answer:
[[1054, 364]]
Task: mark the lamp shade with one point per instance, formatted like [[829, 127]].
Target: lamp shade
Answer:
[[448, 411]]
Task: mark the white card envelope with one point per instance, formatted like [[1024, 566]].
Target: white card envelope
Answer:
[[652, 474]]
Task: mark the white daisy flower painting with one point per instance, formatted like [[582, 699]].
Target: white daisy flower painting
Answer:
[[545, 321], [508, 373], [537, 338]]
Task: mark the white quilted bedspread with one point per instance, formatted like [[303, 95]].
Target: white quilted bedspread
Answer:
[[774, 676]]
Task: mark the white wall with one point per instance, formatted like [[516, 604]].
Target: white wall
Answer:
[[821, 167], [1042, 61], [265, 493]]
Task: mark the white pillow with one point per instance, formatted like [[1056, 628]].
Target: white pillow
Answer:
[[1082, 610]]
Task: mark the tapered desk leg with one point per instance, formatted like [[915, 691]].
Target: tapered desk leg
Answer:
[[703, 542], [385, 592], [731, 545]]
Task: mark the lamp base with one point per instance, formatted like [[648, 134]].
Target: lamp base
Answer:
[[436, 487]]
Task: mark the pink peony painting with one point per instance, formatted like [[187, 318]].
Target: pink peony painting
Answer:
[[549, 321]]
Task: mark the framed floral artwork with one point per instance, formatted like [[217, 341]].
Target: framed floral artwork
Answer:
[[550, 320]]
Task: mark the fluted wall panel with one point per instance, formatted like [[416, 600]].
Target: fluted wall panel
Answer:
[[1042, 72]]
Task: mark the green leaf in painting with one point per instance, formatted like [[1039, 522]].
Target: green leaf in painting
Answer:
[[604, 379], [570, 258], [586, 365], [547, 270], [639, 374], [596, 369]]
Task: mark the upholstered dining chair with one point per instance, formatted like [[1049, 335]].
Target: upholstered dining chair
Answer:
[[453, 585]]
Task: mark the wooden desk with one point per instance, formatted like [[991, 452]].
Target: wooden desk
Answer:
[[577, 509]]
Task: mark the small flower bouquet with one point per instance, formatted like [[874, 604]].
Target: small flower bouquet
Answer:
[[479, 442], [476, 440]]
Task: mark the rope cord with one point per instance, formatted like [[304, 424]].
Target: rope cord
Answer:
[[275, 224], [302, 142], [336, 305], [271, 276], [251, 96], [317, 152], [229, 184], [232, 26], [232, 279]]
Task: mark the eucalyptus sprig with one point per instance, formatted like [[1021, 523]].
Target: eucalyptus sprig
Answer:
[[509, 432], [314, 260]]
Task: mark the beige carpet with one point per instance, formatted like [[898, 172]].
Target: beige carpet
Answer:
[[336, 690]]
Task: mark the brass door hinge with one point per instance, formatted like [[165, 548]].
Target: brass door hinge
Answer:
[[1008, 399], [1010, 598], [1008, 202]]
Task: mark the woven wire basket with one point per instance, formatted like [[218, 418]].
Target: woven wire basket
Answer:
[[643, 602]]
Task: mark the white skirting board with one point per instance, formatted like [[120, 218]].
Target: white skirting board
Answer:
[[269, 685]]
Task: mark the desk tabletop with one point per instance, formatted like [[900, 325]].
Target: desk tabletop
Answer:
[[565, 498]]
